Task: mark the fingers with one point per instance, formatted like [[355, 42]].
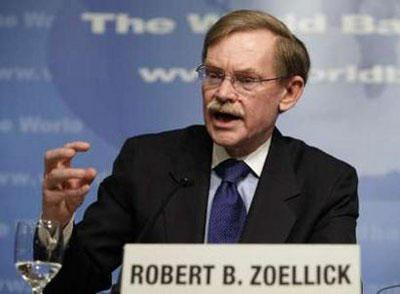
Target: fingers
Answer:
[[90, 175], [62, 156], [71, 196], [59, 176], [65, 178], [75, 197], [79, 146], [86, 180], [54, 157]]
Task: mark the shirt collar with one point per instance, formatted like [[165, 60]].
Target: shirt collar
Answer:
[[254, 160]]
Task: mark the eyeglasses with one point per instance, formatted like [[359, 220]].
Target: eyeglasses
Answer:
[[242, 82]]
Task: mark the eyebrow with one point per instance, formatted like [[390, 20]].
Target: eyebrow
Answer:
[[240, 71], [247, 71]]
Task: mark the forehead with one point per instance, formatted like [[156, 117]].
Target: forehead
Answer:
[[244, 50]]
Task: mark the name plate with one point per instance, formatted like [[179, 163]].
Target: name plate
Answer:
[[241, 268]]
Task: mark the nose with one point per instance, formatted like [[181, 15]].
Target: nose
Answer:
[[226, 91]]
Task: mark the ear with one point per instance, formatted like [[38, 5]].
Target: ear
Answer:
[[294, 89]]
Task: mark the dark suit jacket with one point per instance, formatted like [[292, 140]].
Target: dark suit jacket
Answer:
[[303, 196]]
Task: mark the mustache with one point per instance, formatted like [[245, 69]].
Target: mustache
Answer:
[[216, 106]]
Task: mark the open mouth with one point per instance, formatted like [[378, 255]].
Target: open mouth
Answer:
[[225, 117]]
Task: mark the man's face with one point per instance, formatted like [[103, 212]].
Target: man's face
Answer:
[[246, 119]]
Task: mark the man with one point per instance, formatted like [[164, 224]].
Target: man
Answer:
[[173, 187]]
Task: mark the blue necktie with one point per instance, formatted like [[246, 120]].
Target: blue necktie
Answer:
[[228, 213]]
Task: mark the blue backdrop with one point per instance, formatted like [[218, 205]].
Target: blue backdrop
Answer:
[[104, 70]]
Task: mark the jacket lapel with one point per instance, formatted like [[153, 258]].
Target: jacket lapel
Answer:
[[270, 219], [186, 213]]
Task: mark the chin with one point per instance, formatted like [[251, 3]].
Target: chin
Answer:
[[224, 139]]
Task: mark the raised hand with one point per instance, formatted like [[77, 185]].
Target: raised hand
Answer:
[[64, 187]]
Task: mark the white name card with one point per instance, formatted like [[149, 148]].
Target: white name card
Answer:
[[241, 269]]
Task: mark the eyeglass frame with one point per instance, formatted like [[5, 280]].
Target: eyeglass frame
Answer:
[[257, 81]]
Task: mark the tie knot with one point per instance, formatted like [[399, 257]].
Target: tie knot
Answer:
[[232, 170]]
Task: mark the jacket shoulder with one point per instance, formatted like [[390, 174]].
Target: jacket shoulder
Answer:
[[164, 147], [315, 160], [172, 137]]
